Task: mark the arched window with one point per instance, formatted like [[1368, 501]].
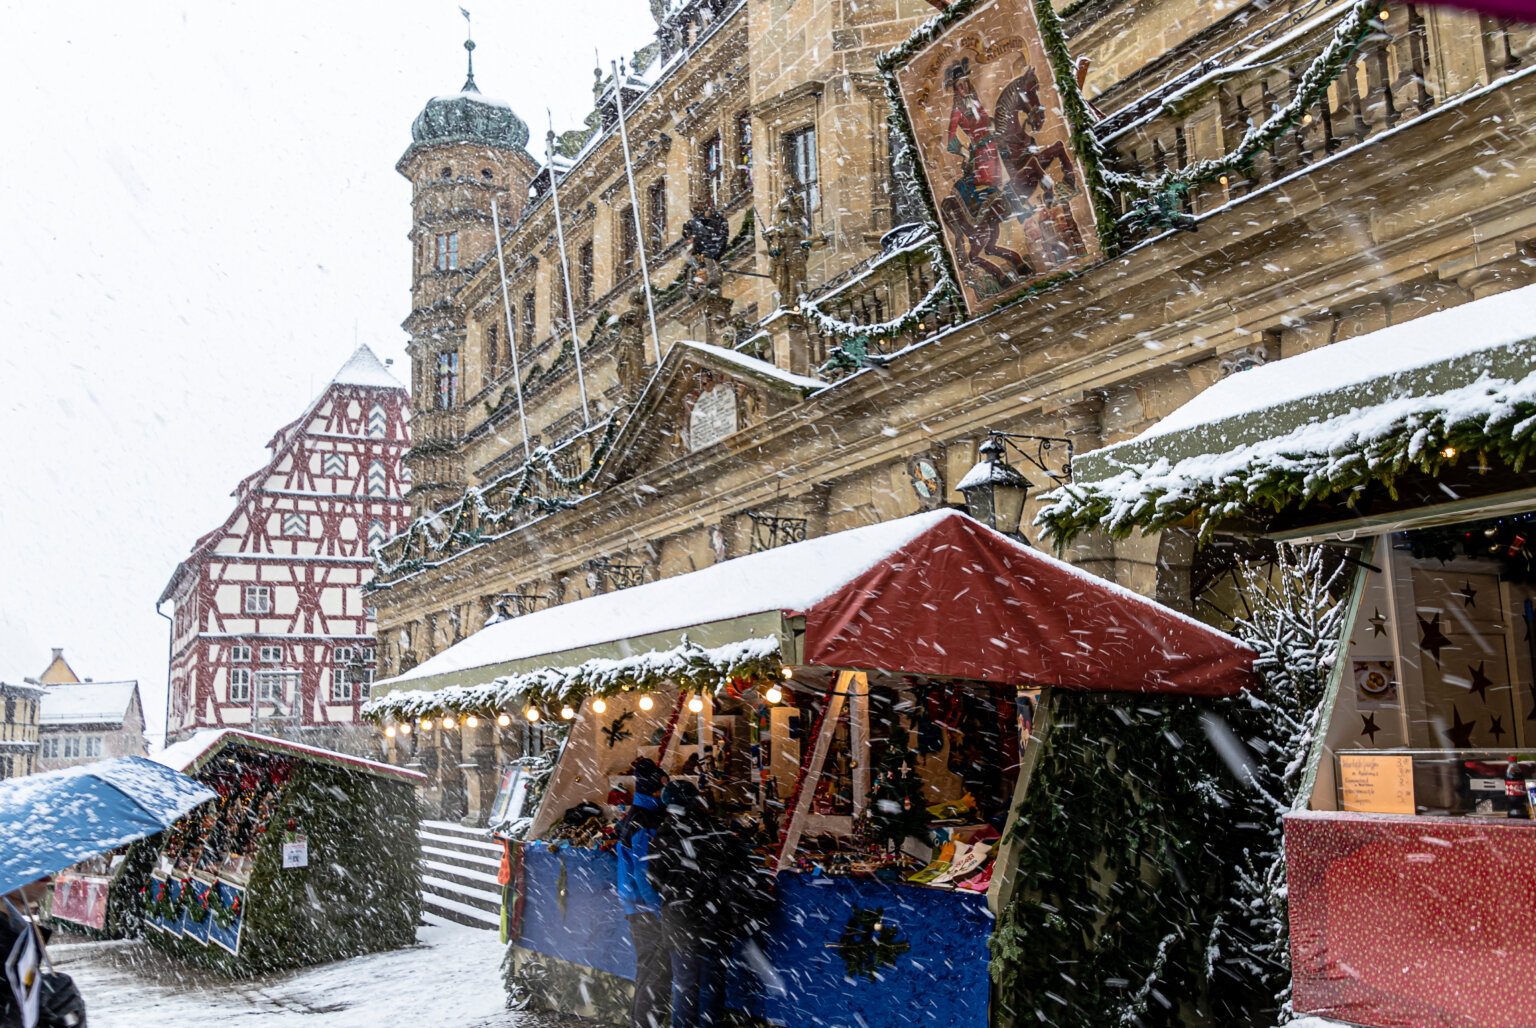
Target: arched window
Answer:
[[377, 480], [377, 420], [493, 350]]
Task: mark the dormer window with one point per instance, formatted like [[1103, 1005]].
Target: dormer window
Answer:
[[447, 251]]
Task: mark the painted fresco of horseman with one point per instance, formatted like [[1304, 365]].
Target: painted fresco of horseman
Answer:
[[978, 206]]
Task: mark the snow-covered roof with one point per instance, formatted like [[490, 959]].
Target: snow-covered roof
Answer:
[[365, 369], [1489, 323], [789, 578], [191, 753], [76, 703], [934, 593], [1403, 399], [754, 366]]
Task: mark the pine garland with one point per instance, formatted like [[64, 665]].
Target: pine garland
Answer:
[[1416, 434], [490, 506], [1351, 33], [687, 667]]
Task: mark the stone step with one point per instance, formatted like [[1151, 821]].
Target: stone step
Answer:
[[462, 845], [460, 913], [473, 860], [472, 895], [472, 878], [458, 831]]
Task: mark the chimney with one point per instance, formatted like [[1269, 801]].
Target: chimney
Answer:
[[58, 653]]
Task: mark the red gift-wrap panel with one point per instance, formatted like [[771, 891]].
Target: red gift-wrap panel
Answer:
[[1413, 921]]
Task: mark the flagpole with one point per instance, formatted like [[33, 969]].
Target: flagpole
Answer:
[[634, 208], [565, 267], [506, 306]]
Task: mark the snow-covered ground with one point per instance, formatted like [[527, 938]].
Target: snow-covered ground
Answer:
[[450, 979]]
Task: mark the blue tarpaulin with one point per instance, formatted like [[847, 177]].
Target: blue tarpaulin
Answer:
[[52, 820]]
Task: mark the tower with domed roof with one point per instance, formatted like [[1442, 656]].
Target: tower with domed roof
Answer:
[[466, 150]]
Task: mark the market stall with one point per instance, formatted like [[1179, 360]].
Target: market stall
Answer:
[[858, 705], [306, 856], [1411, 467]]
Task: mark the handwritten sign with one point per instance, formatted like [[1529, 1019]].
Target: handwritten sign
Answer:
[[1376, 783], [713, 417]]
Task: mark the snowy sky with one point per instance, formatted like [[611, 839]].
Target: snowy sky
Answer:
[[201, 220]]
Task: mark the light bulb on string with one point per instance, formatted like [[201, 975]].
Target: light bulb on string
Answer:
[[405, 728], [599, 705], [448, 722], [646, 703], [503, 719], [787, 672], [389, 733], [426, 724], [532, 714], [566, 712], [471, 722], [774, 694], [696, 704]]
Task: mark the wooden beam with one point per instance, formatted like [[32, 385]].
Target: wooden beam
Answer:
[[1004, 875], [810, 770]]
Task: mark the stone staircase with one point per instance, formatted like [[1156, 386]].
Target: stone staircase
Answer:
[[458, 875]]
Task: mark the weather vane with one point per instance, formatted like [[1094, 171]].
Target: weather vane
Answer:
[[469, 47]]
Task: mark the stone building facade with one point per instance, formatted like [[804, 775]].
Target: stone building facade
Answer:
[[84, 721], [1405, 191], [18, 730]]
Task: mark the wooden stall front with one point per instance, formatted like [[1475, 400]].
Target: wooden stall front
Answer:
[[866, 731]]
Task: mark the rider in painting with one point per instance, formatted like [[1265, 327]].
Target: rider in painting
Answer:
[[978, 207]]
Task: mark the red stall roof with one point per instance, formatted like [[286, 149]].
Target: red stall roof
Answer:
[[960, 600], [935, 593]]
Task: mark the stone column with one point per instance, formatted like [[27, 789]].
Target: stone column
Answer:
[[481, 771]]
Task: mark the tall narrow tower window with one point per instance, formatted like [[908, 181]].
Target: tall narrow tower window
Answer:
[[447, 380], [493, 350], [530, 319], [744, 152], [800, 165], [656, 228], [714, 170], [377, 421], [584, 273], [448, 251], [378, 481]]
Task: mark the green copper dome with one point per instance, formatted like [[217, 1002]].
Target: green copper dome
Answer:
[[468, 117]]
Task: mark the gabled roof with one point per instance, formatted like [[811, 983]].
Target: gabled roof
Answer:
[[639, 431], [58, 670], [195, 751], [95, 703], [365, 369], [934, 594]]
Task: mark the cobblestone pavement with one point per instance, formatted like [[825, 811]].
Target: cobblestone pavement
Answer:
[[450, 979]]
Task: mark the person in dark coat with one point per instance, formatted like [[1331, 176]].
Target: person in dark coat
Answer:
[[642, 904], [697, 866]]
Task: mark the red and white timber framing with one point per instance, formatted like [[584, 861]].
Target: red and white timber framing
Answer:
[[271, 628]]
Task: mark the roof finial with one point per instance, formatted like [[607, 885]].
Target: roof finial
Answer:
[[469, 47]]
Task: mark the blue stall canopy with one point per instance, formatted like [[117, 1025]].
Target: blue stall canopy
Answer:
[[52, 820]]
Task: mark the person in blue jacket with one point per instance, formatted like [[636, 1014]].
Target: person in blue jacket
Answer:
[[642, 905]]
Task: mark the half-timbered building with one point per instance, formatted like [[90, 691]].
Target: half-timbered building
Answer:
[[270, 626]]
